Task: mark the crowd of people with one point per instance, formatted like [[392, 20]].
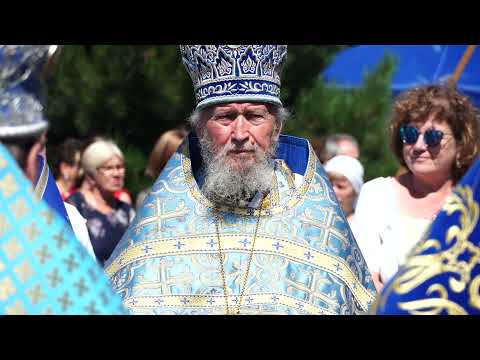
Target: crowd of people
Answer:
[[90, 176], [239, 218], [434, 134]]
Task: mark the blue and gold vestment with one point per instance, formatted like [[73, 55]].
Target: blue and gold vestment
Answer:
[[442, 274], [43, 268], [305, 260], [46, 189]]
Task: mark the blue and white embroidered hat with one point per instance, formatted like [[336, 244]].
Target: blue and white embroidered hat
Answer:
[[22, 89], [234, 73]]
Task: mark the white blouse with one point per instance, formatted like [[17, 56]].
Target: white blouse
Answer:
[[384, 234], [79, 226]]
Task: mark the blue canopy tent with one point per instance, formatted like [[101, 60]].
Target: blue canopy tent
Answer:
[[416, 65]]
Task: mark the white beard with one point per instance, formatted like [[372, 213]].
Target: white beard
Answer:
[[227, 185]]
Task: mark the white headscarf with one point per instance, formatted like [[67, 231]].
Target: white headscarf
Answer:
[[349, 167]]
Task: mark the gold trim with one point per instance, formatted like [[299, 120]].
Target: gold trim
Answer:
[[273, 197], [424, 265], [288, 174], [217, 301], [41, 185], [296, 196], [190, 245], [474, 293]]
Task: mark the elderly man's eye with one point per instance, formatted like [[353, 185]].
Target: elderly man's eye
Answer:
[[224, 121], [224, 117], [256, 117]]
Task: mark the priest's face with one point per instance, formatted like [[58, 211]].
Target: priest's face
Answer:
[[238, 142], [240, 129]]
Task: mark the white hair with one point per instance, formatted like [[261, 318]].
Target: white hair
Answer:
[[229, 186], [99, 153]]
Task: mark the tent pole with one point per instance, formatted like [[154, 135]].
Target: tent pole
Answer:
[[461, 65]]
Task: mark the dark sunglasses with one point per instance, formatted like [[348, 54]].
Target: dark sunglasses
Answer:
[[409, 135]]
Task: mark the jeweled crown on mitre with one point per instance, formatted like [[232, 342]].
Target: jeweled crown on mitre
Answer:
[[234, 73], [22, 89]]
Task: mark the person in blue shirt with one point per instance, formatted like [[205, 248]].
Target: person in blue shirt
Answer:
[[43, 268]]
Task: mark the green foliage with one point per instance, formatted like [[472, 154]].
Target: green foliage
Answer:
[[302, 67], [135, 93], [326, 109], [129, 93]]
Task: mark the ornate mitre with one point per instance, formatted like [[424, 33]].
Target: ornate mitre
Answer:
[[234, 73], [22, 89]]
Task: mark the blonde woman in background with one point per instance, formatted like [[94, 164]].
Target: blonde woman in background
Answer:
[[107, 217]]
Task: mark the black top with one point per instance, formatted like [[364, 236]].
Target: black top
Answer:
[[105, 230]]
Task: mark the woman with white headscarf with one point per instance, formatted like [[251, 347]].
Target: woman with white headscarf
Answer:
[[346, 175]]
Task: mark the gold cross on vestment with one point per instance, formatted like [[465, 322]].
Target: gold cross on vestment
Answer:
[[43, 254], [311, 289], [16, 309], [4, 225], [60, 239], [24, 271], [35, 294], [81, 287], [65, 301], [12, 248], [161, 216], [91, 309], [71, 263], [19, 208], [31, 231], [164, 280], [54, 278], [47, 216], [327, 226], [48, 311], [7, 288], [8, 185], [3, 162]]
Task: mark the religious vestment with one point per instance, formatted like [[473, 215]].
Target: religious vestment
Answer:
[[297, 246], [441, 275], [43, 268]]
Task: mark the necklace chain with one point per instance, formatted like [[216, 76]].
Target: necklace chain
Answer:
[[222, 267]]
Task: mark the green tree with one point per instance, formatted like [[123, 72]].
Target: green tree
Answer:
[[326, 109], [304, 64], [130, 93], [135, 93]]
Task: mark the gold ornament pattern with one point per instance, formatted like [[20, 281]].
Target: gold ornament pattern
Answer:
[[305, 260], [429, 263]]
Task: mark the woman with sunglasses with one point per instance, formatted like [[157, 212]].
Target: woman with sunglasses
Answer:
[[434, 134], [107, 217]]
